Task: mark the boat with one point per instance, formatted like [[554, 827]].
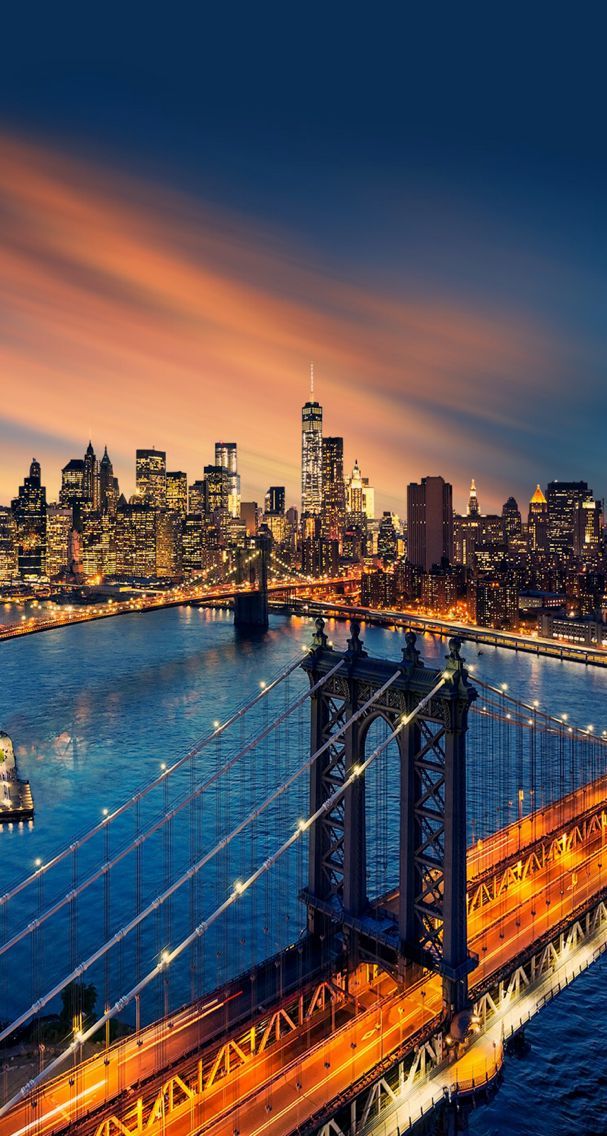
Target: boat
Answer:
[[16, 801]]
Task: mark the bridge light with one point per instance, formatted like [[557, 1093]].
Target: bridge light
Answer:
[[38, 862], [263, 685], [301, 826], [216, 725], [238, 888], [504, 686], [535, 702], [105, 812], [564, 717], [165, 958], [163, 765]]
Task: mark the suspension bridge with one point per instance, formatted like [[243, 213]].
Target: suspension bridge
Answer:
[[328, 916], [246, 581]]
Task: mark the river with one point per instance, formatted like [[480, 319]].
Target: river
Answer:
[[93, 709]]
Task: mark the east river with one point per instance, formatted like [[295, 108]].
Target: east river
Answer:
[[93, 709]]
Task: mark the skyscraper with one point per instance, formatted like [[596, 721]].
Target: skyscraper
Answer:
[[473, 508], [177, 492], [565, 500], [29, 511], [429, 522], [333, 509], [90, 480], [311, 458], [108, 486], [537, 522], [151, 477], [226, 455]]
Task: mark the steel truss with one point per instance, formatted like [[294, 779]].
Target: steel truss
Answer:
[[427, 1052]]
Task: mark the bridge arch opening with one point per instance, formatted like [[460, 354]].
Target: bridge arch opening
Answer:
[[382, 806]]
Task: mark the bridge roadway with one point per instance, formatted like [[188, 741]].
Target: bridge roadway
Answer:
[[276, 1089], [486, 636], [175, 597]]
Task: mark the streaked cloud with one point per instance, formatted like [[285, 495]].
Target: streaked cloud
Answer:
[[142, 317]]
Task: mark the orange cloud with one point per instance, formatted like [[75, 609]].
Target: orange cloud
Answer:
[[141, 317]]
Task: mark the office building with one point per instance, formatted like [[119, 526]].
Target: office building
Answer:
[[226, 455], [151, 477], [333, 508], [29, 512], [311, 458], [177, 492], [430, 522]]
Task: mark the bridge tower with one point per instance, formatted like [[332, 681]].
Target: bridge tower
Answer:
[[425, 924], [251, 608]]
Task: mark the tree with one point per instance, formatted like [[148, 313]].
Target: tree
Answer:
[[79, 1000]]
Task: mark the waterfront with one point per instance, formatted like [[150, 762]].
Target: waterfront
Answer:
[[92, 714]]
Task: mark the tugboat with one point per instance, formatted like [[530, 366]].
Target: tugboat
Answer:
[[16, 801]]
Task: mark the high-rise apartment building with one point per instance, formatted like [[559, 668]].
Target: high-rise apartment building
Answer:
[[333, 509], [151, 477], [429, 522], [311, 458], [226, 455], [29, 511]]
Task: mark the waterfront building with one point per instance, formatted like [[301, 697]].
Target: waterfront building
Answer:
[[311, 458], [29, 511], [177, 492], [429, 522], [8, 545], [333, 507], [226, 455], [151, 477], [59, 520], [495, 601], [147, 542]]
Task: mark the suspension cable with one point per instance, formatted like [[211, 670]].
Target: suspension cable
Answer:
[[164, 819], [147, 788], [239, 889], [193, 870]]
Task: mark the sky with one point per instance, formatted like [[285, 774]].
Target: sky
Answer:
[[195, 205]]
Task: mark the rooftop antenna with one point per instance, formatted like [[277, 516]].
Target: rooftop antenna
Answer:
[[312, 377]]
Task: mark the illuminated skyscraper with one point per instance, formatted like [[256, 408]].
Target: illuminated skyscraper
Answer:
[[177, 492], [72, 483], [151, 477], [429, 522], [108, 486], [473, 509], [8, 544], [311, 457], [226, 455], [58, 529], [90, 480], [565, 500], [537, 523], [29, 511], [333, 510]]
